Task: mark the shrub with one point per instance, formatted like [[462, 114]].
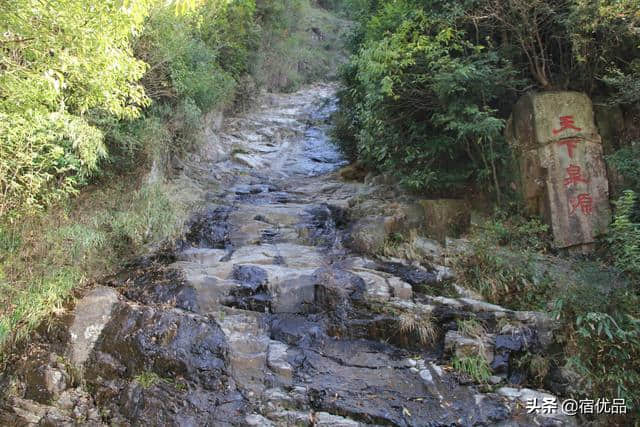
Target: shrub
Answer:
[[626, 162], [149, 217], [49, 81], [182, 64], [600, 318], [624, 234], [418, 101], [471, 328], [421, 325], [31, 305], [44, 157]]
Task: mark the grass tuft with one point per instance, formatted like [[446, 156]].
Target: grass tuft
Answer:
[[475, 366], [148, 379], [422, 325], [471, 328]]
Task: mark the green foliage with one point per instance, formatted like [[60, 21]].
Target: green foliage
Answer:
[[149, 217], [33, 304], [605, 45], [517, 232], [501, 263], [148, 379], [601, 334], [74, 74], [82, 240], [44, 157], [10, 240], [194, 60], [418, 100], [613, 354], [299, 44], [597, 307], [144, 216], [624, 234], [626, 84], [475, 366], [71, 56], [59, 61], [626, 162], [183, 65]]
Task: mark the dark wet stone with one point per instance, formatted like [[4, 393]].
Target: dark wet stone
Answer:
[[157, 284], [252, 292], [250, 277], [184, 354], [500, 363], [296, 295], [297, 330], [283, 198], [269, 236], [260, 302], [55, 418], [321, 221], [36, 374], [169, 342], [335, 288], [166, 404], [246, 189], [509, 342], [492, 410], [381, 394], [447, 316], [410, 274], [209, 229], [517, 378]]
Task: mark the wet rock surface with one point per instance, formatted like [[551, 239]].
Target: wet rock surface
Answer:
[[267, 314]]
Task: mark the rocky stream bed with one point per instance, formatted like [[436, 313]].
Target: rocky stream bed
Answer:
[[277, 308]]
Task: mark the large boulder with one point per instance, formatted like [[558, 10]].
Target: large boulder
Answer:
[[91, 314], [563, 176]]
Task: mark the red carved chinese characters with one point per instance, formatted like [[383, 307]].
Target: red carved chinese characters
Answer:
[[575, 176], [584, 201], [571, 143], [566, 122]]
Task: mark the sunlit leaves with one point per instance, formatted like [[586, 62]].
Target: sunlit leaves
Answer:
[[59, 60]]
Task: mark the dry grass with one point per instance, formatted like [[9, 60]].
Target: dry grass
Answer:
[[422, 325], [471, 328]]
